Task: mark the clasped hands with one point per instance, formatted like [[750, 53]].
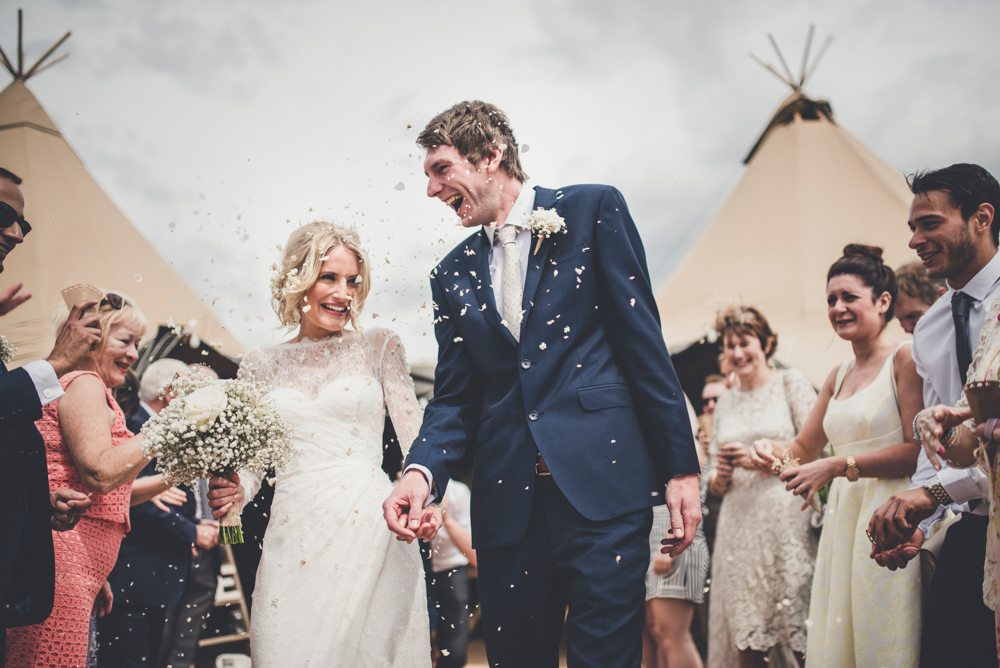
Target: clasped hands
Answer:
[[68, 506], [406, 510]]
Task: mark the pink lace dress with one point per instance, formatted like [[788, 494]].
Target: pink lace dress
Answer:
[[84, 556]]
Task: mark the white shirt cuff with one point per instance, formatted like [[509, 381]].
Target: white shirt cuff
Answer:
[[963, 485], [433, 495], [46, 383]]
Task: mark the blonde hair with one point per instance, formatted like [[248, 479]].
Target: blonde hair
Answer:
[[300, 266], [129, 314]]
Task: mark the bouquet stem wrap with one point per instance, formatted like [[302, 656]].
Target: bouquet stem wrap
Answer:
[[231, 527]]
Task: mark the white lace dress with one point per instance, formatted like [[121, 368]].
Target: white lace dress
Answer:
[[765, 549], [334, 587]]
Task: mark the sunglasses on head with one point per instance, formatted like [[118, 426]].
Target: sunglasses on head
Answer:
[[8, 217], [114, 301]]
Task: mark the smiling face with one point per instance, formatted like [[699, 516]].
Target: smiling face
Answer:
[[942, 238], [909, 310], [471, 191], [327, 304], [853, 313], [118, 353], [11, 236], [745, 354]]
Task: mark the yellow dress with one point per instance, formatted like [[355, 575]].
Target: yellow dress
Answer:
[[861, 614]]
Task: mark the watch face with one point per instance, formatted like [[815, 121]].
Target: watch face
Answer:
[[853, 474]]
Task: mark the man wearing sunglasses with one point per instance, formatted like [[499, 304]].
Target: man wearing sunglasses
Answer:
[[28, 511]]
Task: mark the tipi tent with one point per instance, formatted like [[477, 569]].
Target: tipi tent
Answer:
[[79, 236], [809, 189]]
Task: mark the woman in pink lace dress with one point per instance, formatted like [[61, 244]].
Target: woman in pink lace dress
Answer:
[[88, 449]]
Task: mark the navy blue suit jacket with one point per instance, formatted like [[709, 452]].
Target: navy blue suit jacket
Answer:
[[590, 386], [154, 558], [27, 563]]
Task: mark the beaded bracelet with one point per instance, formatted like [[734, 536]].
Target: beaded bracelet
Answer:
[[916, 436], [949, 438]]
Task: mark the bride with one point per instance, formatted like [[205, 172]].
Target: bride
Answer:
[[334, 587]]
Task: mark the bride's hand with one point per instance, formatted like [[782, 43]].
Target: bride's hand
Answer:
[[223, 493]]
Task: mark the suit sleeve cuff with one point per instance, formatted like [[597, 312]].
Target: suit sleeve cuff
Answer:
[[44, 378], [963, 485], [433, 496]]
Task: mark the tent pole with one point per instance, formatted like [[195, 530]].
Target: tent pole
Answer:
[[20, 46], [772, 70], [47, 65], [805, 55], [6, 63], [819, 56], [48, 53], [781, 58]]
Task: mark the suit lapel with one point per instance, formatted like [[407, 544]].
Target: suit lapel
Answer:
[[478, 262], [545, 199]]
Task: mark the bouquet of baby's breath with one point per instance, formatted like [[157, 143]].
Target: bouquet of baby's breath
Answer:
[[217, 427]]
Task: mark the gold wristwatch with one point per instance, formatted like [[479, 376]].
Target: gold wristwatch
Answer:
[[851, 471]]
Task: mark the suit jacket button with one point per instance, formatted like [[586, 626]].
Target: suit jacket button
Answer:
[[525, 364], [533, 415]]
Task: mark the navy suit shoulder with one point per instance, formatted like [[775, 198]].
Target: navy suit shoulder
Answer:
[[27, 562]]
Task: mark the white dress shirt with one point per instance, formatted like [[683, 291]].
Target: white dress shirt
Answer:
[[937, 363], [45, 380], [444, 555], [517, 216]]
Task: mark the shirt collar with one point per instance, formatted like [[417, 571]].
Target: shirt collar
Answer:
[[518, 213], [979, 287], [147, 408]]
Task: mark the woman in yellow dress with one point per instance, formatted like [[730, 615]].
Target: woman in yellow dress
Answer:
[[860, 614]]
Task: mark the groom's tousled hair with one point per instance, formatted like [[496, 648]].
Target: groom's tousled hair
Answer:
[[475, 128]]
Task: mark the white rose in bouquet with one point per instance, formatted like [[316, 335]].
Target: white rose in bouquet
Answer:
[[204, 405], [217, 427]]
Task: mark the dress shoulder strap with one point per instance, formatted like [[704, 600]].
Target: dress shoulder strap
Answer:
[[840, 376]]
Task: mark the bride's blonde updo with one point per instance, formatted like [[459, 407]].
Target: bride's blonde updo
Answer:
[[300, 265]]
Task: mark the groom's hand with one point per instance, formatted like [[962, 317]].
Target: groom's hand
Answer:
[[684, 504], [404, 508]]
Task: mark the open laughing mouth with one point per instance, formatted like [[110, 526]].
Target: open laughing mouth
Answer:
[[455, 202], [336, 310], [927, 256]]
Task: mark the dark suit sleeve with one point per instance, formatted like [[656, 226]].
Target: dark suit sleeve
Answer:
[[449, 423], [634, 323], [19, 403], [171, 526]]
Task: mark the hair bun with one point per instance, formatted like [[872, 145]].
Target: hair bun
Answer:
[[861, 250]]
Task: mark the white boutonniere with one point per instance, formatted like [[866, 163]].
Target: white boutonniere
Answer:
[[6, 350], [545, 222]]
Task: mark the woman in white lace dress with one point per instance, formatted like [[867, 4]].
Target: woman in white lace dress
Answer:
[[334, 587], [764, 547]]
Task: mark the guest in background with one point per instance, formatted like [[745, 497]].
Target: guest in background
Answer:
[[673, 587], [88, 449], [715, 386], [860, 614], [451, 556], [762, 566], [203, 575], [152, 567], [28, 510], [955, 233], [917, 293]]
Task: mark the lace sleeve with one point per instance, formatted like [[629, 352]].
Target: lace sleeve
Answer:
[[400, 397], [801, 397], [252, 368]]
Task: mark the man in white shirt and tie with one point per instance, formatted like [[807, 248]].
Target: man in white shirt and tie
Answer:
[[955, 234]]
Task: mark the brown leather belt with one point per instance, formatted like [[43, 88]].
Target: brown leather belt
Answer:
[[540, 467]]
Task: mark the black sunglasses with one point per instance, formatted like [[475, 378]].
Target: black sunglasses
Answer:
[[706, 400], [8, 217], [114, 301]]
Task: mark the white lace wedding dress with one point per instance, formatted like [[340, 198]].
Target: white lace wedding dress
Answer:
[[334, 587]]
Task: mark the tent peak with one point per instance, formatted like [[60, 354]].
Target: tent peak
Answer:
[[19, 73], [797, 105], [806, 71]]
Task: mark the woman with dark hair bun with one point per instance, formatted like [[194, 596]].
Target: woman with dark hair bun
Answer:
[[860, 614]]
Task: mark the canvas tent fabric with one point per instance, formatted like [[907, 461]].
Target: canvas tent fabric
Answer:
[[809, 189], [79, 236]]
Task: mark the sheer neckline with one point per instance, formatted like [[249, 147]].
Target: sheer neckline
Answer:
[[776, 376]]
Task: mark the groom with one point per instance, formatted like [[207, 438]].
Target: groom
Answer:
[[551, 363]]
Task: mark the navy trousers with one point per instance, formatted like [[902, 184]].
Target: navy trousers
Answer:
[[451, 596], [598, 569]]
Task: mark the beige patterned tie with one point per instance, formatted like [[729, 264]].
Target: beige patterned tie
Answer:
[[511, 280]]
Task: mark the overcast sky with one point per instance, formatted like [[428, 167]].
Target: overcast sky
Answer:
[[219, 126]]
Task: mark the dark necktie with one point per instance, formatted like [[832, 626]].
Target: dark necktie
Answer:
[[960, 305]]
